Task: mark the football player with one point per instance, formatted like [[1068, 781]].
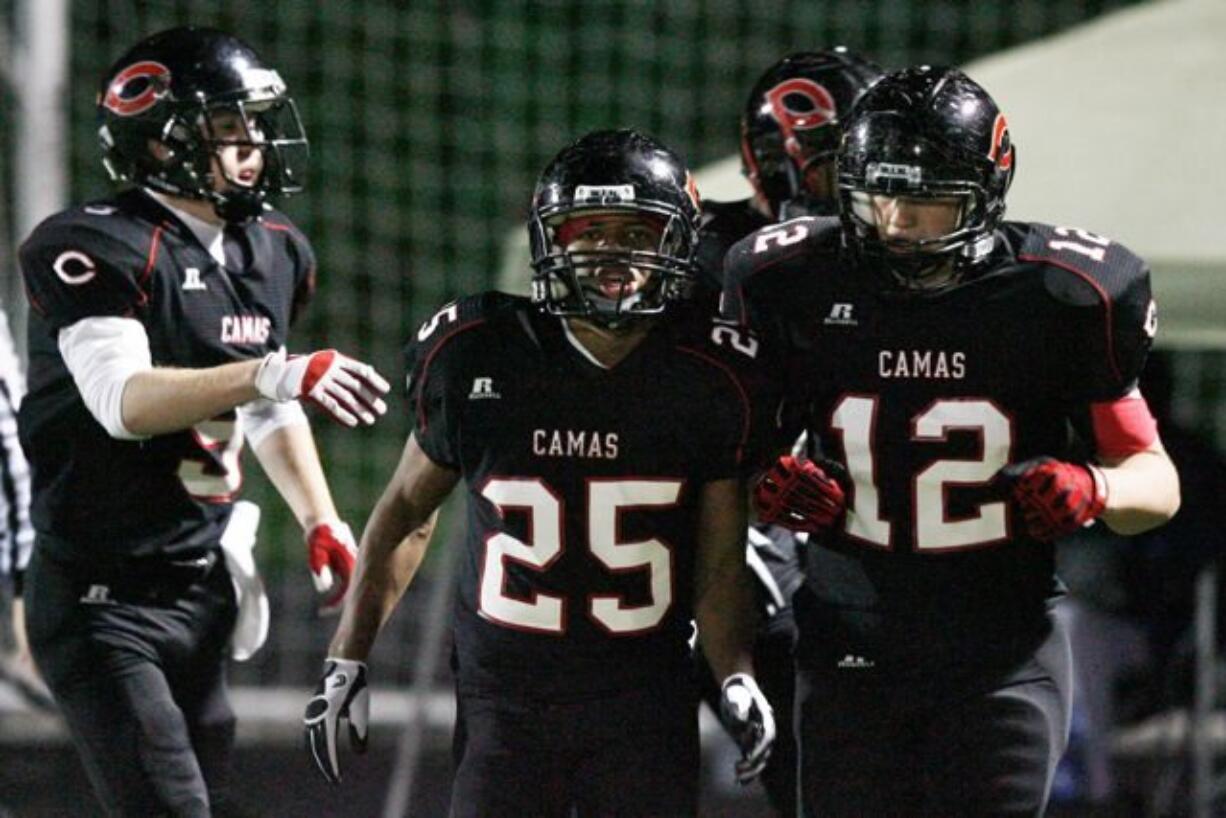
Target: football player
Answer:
[[944, 355], [790, 131], [601, 429], [157, 337]]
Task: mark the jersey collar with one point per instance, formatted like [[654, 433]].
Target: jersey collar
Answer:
[[210, 236]]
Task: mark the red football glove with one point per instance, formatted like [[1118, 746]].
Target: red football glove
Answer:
[[799, 495], [346, 389], [331, 554], [1056, 498]]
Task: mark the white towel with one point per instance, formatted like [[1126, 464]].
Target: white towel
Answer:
[[238, 544]]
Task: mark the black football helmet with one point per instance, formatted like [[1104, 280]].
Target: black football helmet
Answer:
[[168, 88], [926, 132], [613, 172], [792, 126]]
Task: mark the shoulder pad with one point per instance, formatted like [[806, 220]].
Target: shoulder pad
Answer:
[[766, 266], [437, 348], [1104, 289], [456, 318], [1105, 266], [88, 261], [278, 222]]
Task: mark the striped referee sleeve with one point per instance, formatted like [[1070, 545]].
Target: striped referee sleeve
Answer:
[[16, 534]]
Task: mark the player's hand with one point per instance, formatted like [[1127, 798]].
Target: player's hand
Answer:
[[751, 720], [331, 554], [346, 389], [1056, 498], [799, 495], [341, 694]]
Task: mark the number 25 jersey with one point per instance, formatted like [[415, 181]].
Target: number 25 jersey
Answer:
[[582, 487], [924, 398]]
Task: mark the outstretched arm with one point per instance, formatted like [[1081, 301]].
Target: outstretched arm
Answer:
[[111, 364]]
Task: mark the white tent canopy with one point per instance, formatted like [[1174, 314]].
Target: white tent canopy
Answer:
[[1120, 125]]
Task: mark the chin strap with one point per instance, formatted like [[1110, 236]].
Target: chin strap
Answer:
[[238, 207]]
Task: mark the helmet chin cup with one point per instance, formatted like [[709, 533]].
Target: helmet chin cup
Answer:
[[238, 206]]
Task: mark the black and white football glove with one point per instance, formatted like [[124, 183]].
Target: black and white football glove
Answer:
[[341, 694], [751, 720]]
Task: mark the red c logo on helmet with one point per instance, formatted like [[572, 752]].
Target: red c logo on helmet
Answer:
[[1002, 147], [820, 110], [137, 88]]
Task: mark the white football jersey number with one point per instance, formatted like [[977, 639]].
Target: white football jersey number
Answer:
[[606, 501], [214, 475], [855, 418]]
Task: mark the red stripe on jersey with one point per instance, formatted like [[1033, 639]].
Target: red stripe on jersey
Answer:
[[425, 366], [1123, 427], [154, 244], [285, 228], [736, 382], [1101, 294]]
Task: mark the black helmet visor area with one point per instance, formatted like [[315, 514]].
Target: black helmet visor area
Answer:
[[612, 285]]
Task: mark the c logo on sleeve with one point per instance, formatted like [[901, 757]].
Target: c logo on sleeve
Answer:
[[74, 267]]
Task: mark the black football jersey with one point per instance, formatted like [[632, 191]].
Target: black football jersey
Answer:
[[131, 257], [923, 399], [582, 486], [723, 224]]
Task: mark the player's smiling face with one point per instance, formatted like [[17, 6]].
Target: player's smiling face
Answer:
[[237, 160], [611, 232]]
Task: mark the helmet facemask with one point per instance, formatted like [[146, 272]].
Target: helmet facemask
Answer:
[[783, 168], [611, 285], [925, 263], [268, 124]]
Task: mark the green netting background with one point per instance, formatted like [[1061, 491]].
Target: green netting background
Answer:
[[429, 120]]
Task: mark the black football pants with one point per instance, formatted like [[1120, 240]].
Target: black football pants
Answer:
[[634, 755], [886, 751], [140, 678]]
